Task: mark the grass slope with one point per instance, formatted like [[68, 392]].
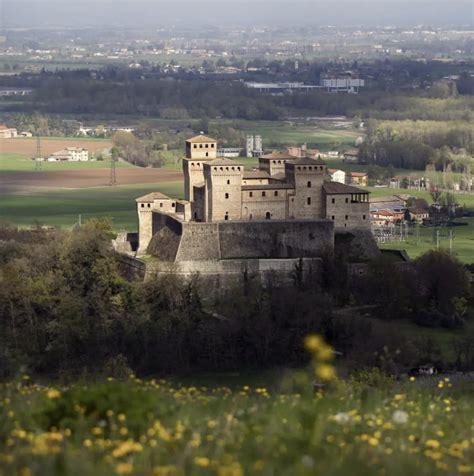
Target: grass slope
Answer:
[[151, 427]]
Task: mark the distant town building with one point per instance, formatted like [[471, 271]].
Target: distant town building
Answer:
[[280, 88], [7, 132], [360, 179], [254, 146], [70, 154], [351, 156], [341, 82], [8, 92], [229, 152], [337, 175]]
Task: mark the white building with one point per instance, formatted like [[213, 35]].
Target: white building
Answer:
[[7, 132], [70, 154], [337, 175]]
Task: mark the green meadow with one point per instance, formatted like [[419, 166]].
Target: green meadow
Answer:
[[63, 207], [20, 163]]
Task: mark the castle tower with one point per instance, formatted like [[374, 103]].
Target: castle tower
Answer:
[[198, 150], [223, 189], [307, 176]]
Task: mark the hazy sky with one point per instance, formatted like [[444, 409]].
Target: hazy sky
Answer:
[[149, 13]]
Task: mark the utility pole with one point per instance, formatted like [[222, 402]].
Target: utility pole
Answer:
[[113, 173], [38, 158]]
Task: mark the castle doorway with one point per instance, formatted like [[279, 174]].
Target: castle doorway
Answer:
[[268, 215]]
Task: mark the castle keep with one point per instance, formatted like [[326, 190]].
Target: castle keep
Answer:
[[285, 210]]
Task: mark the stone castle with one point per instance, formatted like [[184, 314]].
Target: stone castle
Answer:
[[287, 209]]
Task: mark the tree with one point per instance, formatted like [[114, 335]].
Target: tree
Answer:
[[443, 280]]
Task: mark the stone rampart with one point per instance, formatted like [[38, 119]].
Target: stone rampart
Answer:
[[178, 241], [220, 275], [276, 239]]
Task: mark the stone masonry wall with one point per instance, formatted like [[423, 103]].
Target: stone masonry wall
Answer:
[[177, 241]]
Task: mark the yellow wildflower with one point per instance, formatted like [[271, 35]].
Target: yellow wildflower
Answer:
[[53, 393], [326, 372], [201, 461], [124, 468], [464, 468], [432, 444]]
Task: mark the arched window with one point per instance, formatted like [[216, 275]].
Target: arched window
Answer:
[[308, 200], [309, 184], [268, 215], [226, 216], [226, 195], [228, 182]]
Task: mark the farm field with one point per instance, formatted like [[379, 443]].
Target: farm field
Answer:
[[99, 177], [21, 163], [26, 146], [63, 207], [419, 242]]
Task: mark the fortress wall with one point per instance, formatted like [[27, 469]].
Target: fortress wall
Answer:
[[199, 241], [220, 275], [356, 245], [174, 240], [275, 239]]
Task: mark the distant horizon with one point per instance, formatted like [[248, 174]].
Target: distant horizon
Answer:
[[142, 14]]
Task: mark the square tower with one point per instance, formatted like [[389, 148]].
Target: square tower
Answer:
[[307, 176], [223, 190], [201, 148], [198, 150]]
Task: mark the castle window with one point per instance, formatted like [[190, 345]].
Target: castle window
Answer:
[[268, 215], [228, 182], [347, 217], [364, 217], [200, 146], [143, 205], [251, 216], [195, 146], [333, 217], [149, 205], [309, 184], [250, 194], [173, 204], [333, 200], [207, 146], [215, 168], [212, 146], [276, 193], [347, 200], [308, 200], [238, 168], [207, 154], [161, 204], [226, 217], [226, 195], [263, 194]]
